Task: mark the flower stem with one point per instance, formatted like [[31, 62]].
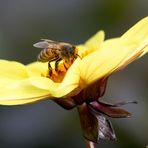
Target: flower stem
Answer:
[[90, 144]]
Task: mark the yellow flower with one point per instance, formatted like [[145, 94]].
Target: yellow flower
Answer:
[[80, 83], [21, 84]]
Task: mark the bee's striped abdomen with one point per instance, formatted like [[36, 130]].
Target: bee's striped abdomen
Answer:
[[46, 55]]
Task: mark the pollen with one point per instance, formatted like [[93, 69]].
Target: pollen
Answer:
[[58, 74]]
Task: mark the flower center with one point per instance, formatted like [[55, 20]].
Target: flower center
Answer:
[[57, 74]]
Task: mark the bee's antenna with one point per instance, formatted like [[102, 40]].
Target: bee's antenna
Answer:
[[78, 56]]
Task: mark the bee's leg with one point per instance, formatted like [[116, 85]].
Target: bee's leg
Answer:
[[65, 66], [56, 63], [49, 66], [51, 60], [49, 69]]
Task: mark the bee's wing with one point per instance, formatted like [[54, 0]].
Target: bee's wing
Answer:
[[42, 44], [50, 41], [46, 44]]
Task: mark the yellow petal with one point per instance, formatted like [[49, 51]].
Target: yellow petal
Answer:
[[37, 68], [17, 87], [95, 41], [29, 90], [25, 90], [139, 30], [139, 33], [12, 70], [21, 89], [139, 51], [20, 101], [68, 85], [91, 45], [103, 62]]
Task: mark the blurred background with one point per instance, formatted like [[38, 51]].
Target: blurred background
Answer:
[[45, 124]]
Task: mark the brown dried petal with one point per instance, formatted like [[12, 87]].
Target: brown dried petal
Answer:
[[66, 103], [109, 111]]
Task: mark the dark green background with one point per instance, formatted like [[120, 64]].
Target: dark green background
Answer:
[[45, 124]]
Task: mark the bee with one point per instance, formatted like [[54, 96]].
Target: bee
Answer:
[[56, 51]]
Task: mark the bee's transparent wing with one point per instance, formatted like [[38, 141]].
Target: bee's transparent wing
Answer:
[[45, 43], [49, 41], [42, 44]]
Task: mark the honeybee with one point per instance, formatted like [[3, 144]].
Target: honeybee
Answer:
[[55, 51]]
